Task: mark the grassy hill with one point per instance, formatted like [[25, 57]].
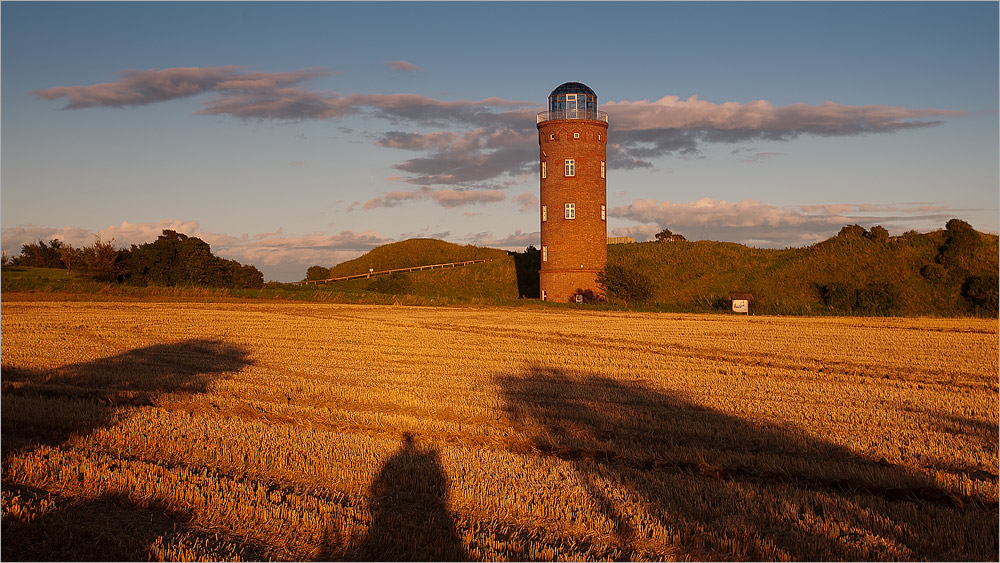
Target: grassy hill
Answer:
[[700, 275], [415, 252], [493, 281]]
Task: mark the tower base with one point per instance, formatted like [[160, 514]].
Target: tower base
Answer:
[[562, 286]]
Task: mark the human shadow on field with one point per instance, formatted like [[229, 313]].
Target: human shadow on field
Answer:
[[721, 487], [49, 407], [410, 518]]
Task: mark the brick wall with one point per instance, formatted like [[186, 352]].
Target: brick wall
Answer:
[[574, 250]]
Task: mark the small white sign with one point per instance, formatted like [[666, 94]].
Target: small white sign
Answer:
[[741, 306]]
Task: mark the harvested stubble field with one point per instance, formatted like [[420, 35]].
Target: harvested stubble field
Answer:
[[288, 431]]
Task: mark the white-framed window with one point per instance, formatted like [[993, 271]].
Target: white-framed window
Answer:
[[545, 253], [576, 135], [544, 295], [571, 211], [552, 136], [604, 212], [602, 169], [545, 213], [544, 175], [598, 136], [570, 167]]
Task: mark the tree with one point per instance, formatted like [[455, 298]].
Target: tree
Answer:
[[104, 261], [838, 296], [317, 273], [851, 232], [625, 284], [664, 235], [933, 272], [70, 256], [40, 255], [396, 283], [878, 233], [983, 293], [961, 242], [175, 258], [877, 298]]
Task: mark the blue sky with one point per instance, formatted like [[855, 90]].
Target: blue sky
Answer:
[[293, 134]]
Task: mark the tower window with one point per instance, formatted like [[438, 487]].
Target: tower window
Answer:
[[543, 169], [552, 136], [576, 135], [598, 136], [602, 169], [604, 212], [545, 253], [570, 167], [571, 211], [545, 213]]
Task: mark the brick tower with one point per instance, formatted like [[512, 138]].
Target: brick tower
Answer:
[[573, 140]]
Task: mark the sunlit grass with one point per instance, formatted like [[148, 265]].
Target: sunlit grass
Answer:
[[314, 431]]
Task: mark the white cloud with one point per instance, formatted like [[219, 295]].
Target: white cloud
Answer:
[[280, 257], [514, 241], [403, 66], [762, 224], [526, 201], [443, 197]]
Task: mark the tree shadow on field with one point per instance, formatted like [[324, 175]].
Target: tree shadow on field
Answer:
[[705, 484], [108, 528], [49, 407], [410, 518]]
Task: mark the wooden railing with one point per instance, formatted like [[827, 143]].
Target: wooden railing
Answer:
[[383, 272]]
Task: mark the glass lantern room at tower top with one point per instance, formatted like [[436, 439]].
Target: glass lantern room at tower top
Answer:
[[572, 100]]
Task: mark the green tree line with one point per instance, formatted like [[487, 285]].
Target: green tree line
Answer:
[[172, 259]]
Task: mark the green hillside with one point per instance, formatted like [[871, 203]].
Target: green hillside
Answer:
[[815, 279], [414, 252], [857, 272], [493, 281]]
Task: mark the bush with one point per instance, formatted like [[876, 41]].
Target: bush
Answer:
[[625, 284], [933, 272], [982, 293], [177, 259], [104, 262], [876, 299], [40, 255], [588, 296], [838, 296], [852, 232], [396, 283], [878, 233], [317, 273], [960, 245]]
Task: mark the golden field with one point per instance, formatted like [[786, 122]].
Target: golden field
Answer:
[[181, 431]]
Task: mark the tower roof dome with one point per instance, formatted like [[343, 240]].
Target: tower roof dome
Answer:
[[573, 88]]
